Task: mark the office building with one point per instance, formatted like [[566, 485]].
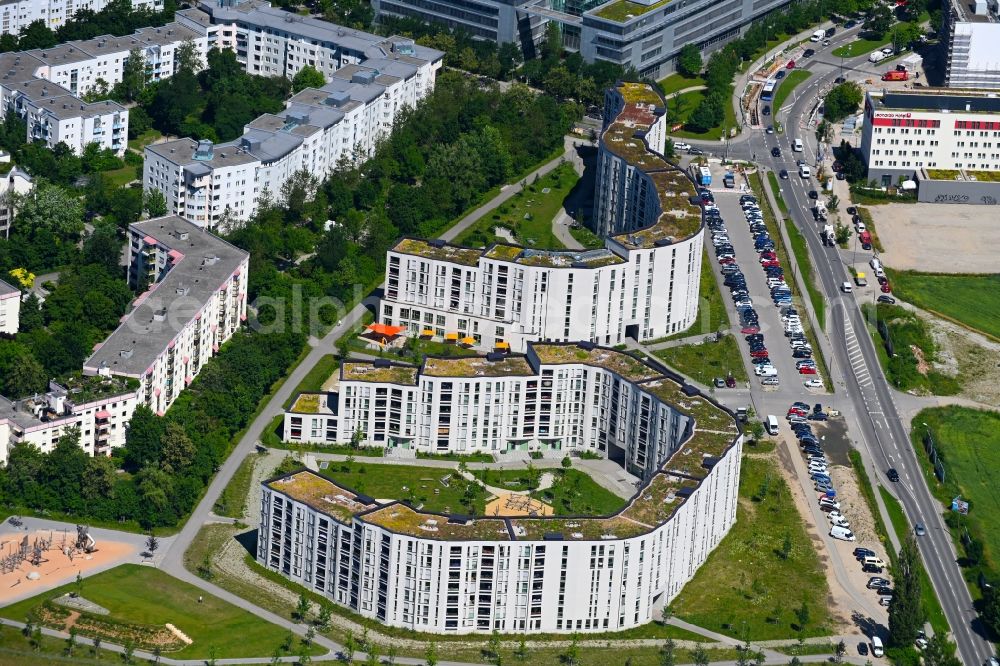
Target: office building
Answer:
[[99, 408], [10, 308], [370, 80], [196, 300], [643, 35], [458, 574], [643, 284]]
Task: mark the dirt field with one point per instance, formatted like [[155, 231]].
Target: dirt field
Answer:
[[56, 568], [938, 238]]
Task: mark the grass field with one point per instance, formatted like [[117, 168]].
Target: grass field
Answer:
[[144, 139], [17, 650], [528, 214], [573, 492], [901, 526], [860, 47], [968, 442], [772, 178], [706, 360], [870, 225], [120, 177], [787, 86], [908, 332], [801, 252], [746, 582], [313, 381], [685, 104], [971, 300], [676, 82], [145, 595], [232, 500]]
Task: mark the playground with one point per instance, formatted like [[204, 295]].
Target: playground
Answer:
[[516, 504], [32, 562]]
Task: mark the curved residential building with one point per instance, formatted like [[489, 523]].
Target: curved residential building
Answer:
[[643, 284], [430, 572]]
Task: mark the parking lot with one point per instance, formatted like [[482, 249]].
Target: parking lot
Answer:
[[915, 237]]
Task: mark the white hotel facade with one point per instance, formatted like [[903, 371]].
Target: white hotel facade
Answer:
[[459, 574], [643, 284], [370, 80], [196, 300]]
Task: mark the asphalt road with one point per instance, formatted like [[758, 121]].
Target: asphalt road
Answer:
[[883, 434]]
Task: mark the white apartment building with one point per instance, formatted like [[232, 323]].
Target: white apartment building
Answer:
[[98, 407], [16, 15], [448, 573], [195, 302], [370, 80], [10, 308], [15, 182], [644, 284], [943, 129]]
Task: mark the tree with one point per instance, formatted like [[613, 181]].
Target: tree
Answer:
[[20, 372], [906, 615], [128, 649], [802, 615], [493, 646], [689, 61], [187, 58], [824, 132], [990, 610], [667, 657], [307, 77], [310, 635], [154, 203], [152, 544], [708, 114], [833, 203], [905, 34], [551, 47], [842, 233], [571, 656], [879, 21], [940, 652], [786, 546], [134, 76], [143, 439], [51, 208], [700, 655], [840, 652], [521, 652], [372, 657], [566, 462], [71, 641], [323, 619], [842, 101], [178, 449], [302, 608], [430, 654]]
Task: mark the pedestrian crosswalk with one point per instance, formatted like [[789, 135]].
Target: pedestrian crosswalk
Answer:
[[854, 355]]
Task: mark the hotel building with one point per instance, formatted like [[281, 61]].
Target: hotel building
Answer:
[[405, 567], [196, 300], [643, 284]]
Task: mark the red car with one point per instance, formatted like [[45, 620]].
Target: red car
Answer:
[[760, 353], [807, 370], [749, 330], [771, 263], [790, 65], [768, 254], [795, 412], [886, 288]]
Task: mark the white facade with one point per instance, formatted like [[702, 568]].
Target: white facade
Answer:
[[370, 80], [16, 15], [455, 574], [643, 285], [195, 302], [15, 182], [10, 308], [98, 408], [906, 131]]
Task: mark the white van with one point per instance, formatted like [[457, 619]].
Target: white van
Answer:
[[797, 145], [876, 267], [877, 561], [818, 36], [876, 56], [805, 172], [772, 424], [877, 648], [842, 533]]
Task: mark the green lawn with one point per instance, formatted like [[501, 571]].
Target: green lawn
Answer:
[[907, 331], [860, 47], [676, 82], [746, 582], [232, 501], [414, 351], [901, 526], [16, 650], [801, 251], [573, 492], [120, 177], [711, 316], [144, 139], [787, 85], [144, 595], [776, 188], [684, 105], [420, 485], [706, 360], [971, 300], [968, 441], [870, 225], [313, 381], [528, 214]]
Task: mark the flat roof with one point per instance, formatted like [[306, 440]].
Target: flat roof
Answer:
[[372, 371], [206, 262], [948, 100], [712, 432], [322, 494], [477, 366]]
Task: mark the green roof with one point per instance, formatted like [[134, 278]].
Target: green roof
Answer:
[[623, 10]]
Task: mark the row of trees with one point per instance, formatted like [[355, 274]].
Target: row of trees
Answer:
[[117, 18]]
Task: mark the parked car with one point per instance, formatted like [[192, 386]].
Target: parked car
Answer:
[[889, 300]]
